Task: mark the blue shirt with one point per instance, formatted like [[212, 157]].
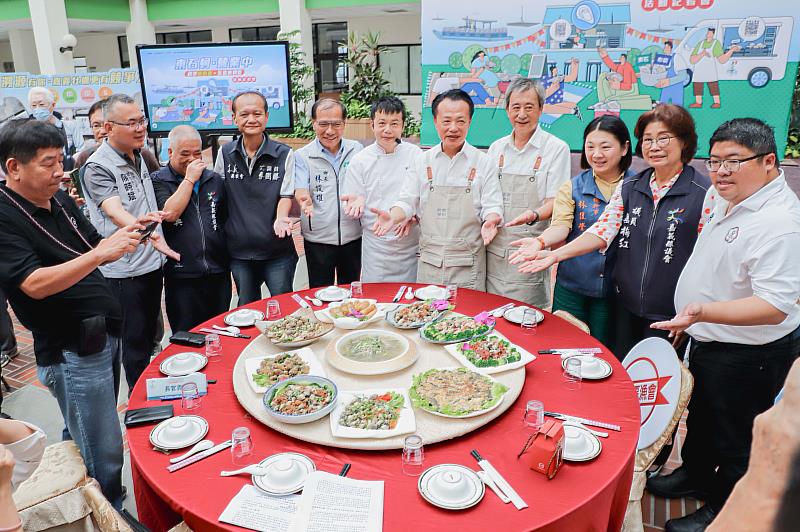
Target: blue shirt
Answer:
[[302, 176]]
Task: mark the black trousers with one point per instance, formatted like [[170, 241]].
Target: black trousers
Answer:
[[8, 342], [190, 302], [328, 261], [140, 299], [630, 329], [733, 383]]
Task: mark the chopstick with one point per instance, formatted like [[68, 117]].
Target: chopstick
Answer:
[[345, 469]]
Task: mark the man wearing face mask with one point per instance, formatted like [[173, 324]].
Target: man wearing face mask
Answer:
[[532, 165], [42, 105], [198, 287], [374, 178]]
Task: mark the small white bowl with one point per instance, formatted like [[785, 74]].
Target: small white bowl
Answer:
[[451, 486], [177, 430], [285, 472], [183, 362], [575, 441]]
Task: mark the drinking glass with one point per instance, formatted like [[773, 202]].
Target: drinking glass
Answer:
[[452, 293], [572, 373], [356, 290], [242, 446], [534, 415], [413, 455], [273, 310], [190, 399], [213, 347], [528, 322]]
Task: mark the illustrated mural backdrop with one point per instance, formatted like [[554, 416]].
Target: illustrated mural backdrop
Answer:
[[719, 58]]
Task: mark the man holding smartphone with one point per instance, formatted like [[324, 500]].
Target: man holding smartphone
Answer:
[[118, 191], [49, 269]]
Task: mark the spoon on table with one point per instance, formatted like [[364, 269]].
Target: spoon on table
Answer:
[[314, 301], [202, 445], [410, 293], [597, 433], [254, 469], [231, 329]]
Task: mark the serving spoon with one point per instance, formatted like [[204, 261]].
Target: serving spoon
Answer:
[[314, 301], [410, 293], [231, 329]]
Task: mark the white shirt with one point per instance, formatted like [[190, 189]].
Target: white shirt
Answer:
[[27, 454], [486, 194], [554, 170], [754, 250], [379, 176]]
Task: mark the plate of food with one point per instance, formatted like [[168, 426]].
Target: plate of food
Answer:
[[371, 352], [264, 371], [301, 399], [456, 392], [296, 330], [376, 413], [490, 353], [416, 315], [351, 313], [456, 328]]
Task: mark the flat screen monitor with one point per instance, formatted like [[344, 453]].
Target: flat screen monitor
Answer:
[[194, 84]]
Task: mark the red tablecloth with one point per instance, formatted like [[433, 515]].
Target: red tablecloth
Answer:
[[583, 496]]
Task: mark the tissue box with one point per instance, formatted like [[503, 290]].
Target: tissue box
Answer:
[[546, 453]]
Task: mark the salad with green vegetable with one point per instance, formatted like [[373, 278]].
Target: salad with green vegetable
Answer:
[[455, 392], [375, 412]]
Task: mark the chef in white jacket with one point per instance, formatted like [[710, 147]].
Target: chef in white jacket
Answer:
[[454, 191], [375, 178]]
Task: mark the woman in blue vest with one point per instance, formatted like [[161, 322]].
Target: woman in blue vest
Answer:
[[583, 284], [652, 221]]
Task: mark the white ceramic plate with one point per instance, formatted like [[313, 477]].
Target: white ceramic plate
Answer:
[[599, 369], [455, 351], [514, 314], [243, 317], [390, 318], [263, 325], [591, 451], [171, 366], [433, 481], [266, 399], [431, 292], [273, 485], [348, 323], [471, 414], [449, 316], [251, 365], [406, 423], [160, 438], [329, 294]]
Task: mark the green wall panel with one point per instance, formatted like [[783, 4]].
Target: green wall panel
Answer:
[[321, 4], [181, 9], [14, 9], [98, 9]]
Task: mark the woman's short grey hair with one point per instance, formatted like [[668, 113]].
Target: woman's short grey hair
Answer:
[[523, 85]]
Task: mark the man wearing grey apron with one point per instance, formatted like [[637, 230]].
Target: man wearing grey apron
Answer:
[[531, 166], [453, 189]]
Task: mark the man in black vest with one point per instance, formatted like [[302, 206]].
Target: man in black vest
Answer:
[[198, 286], [257, 173]]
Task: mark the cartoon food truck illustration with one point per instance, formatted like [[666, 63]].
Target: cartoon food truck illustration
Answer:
[[755, 49]]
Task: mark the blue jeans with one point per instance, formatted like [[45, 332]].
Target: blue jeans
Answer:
[[248, 275], [86, 388]]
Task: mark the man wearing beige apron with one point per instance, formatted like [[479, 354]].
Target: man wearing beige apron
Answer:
[[531, 165], [453, 189]]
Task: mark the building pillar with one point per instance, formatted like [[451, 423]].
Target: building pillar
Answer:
[[49, 21], [220, 34], [295, 16], [23, 51], [140, 30]]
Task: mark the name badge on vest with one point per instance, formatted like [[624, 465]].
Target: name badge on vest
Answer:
[[127, 185], [268, 172], [441, 213]]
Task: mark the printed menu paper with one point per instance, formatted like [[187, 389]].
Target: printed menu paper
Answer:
[[331, 503], [253, 509]]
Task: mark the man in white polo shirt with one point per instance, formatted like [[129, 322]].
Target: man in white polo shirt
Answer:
[[740, 295]]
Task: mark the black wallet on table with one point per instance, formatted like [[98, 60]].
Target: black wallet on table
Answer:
[[150, 414], [188, 338]]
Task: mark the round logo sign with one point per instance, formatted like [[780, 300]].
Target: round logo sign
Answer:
[[104, 92], [70, 95], [87, 94], [655, 370]]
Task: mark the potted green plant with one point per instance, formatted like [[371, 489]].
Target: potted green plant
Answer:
[[367, 83], [299, 72]]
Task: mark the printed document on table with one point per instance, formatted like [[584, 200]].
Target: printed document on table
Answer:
[[331, 503], [253, 509]]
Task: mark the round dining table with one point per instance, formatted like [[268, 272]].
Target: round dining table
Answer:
[[582, 496]]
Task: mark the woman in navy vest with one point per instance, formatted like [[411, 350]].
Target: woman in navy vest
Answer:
[[652, 221], [584, 283]]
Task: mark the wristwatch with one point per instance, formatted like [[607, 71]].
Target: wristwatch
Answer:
[[535, 218]]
